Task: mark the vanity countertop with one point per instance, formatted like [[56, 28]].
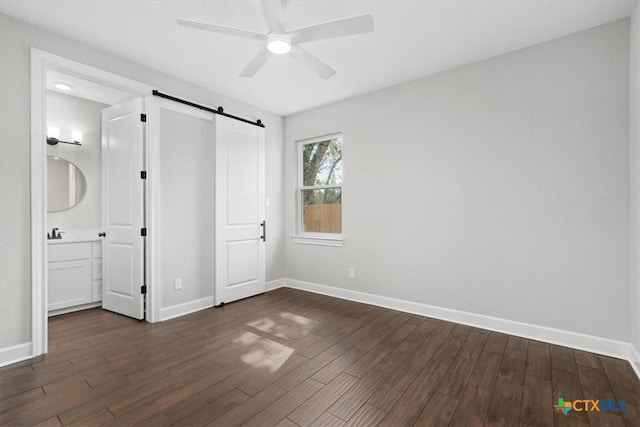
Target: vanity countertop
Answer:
[[75, 236]]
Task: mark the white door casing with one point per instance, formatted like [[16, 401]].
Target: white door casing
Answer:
[[240, 210], [123, 208]]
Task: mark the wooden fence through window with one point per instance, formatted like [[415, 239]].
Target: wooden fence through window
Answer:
[[323, 218]]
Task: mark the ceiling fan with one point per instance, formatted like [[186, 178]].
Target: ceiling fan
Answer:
[[279, 40]]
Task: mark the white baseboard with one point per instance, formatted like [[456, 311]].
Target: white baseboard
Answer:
[[275, 284], [634, 359], [15, 353], [185, 308], [575, 340]]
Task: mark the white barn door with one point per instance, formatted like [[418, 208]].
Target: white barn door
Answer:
[[123, 209], [240, 210]]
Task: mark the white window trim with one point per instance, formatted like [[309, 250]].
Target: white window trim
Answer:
[[320, 239]]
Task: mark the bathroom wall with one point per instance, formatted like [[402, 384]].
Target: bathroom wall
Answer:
[[73, 113]]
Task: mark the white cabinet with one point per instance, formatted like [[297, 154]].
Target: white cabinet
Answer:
[[69, 283], [96, 253], [75, 273]]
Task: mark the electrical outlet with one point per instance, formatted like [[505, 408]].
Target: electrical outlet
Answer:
[[177, 283], [352, 273]]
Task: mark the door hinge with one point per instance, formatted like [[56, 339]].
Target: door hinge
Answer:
[[143, 118], [143, 174], [143, 289], [143, 232]]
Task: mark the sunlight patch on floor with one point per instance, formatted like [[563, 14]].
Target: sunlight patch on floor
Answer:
[[285, 325], [263, 352]]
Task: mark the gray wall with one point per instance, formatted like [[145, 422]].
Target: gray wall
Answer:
[[634, 138], [187, 212], [16, 38], [499, 188], [73, 113]]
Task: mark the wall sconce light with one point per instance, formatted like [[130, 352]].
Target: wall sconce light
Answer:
[[76, 136], [53, 132], [53, 137]]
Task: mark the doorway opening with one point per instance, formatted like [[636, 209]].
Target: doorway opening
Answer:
[[74, 107], [81, 156]]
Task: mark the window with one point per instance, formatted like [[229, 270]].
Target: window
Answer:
[[319, 196]]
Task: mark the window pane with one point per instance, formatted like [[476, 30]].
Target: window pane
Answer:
[[322, 163], [322, 210]]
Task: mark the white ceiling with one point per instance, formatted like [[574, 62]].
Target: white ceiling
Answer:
[[86, 89], [411, 39]]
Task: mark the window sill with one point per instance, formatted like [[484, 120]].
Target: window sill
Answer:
[[332, 240]]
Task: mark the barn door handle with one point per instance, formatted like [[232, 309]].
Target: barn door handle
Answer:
[[263, 224], [102, 234]]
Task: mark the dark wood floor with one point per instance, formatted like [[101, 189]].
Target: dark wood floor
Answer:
[[291, 358]]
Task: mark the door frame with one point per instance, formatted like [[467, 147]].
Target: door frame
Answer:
[[41, 61]]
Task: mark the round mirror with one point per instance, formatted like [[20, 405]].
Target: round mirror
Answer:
[[66, 184]]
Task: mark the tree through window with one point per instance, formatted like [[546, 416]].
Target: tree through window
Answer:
[[320, 188]]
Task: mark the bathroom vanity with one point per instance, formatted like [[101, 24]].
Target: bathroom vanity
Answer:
[[74, 254], [75, 274]]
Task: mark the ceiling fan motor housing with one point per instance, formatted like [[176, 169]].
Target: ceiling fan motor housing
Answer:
[[278, 43]]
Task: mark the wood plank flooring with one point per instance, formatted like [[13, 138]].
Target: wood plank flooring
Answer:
[[292, 358]]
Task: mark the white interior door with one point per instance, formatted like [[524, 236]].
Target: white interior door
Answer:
[[123, 209], [240, 210]]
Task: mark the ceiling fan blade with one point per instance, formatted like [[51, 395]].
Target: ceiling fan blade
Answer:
[[311, 62], [224, 30], [272, 11], [256, 63], [329, 30]]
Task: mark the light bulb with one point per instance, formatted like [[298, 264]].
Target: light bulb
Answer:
[[76, 136], [62, 86], [53, 132], [279, 43]]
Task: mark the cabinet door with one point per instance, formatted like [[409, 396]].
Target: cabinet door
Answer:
[[70, 283], [97, 290], [97, 269]]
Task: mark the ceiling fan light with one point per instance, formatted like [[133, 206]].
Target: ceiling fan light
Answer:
[[279, 43]]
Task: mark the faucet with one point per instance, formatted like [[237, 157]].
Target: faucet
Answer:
[[55, 234]]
